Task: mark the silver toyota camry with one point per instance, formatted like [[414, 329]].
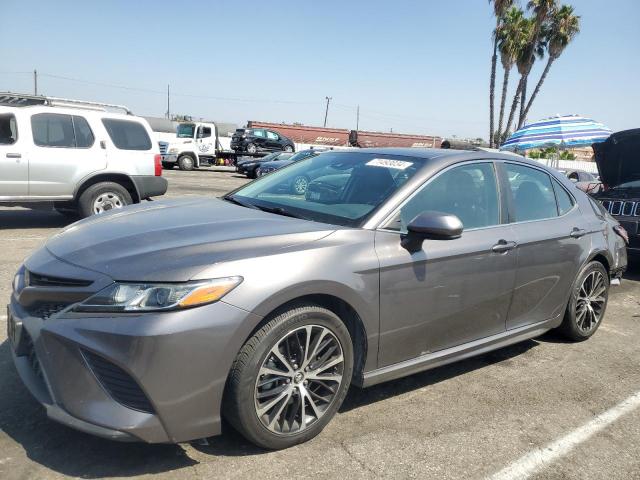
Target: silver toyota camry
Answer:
[[151, 323]]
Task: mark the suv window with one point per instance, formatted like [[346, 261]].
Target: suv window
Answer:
[[467, 191], [565, 201], [127, 135], [533, 197], [84, 135], [272, 136], [8, 129], [53, 130]]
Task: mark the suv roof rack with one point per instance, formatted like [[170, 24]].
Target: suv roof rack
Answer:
[[24, 100]]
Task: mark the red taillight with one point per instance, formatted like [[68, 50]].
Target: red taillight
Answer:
[[619, 229], [157, 160]]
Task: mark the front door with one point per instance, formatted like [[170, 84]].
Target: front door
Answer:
[[14, 166], [451, 291], [552, 239], [205, 141]]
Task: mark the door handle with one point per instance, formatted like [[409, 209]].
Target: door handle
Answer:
[[14, 155], [577, 233], [503, 246]]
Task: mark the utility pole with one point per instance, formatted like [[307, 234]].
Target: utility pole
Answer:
[[168, 104], [35, 82], [326, 112], [357, 117]]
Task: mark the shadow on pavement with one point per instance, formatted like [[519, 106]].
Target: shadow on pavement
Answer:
[[19, 218]]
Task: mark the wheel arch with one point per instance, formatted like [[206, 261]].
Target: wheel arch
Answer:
[[119, 178], [602, 256]]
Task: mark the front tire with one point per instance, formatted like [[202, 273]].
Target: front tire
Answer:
[[290, 378], [185, 162], [103, 197], [587, 304]]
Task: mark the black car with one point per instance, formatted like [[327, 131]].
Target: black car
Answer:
[[256, 140], [249, 166], [619, 168]]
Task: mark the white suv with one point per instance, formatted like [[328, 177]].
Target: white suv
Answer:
[[78, 155]]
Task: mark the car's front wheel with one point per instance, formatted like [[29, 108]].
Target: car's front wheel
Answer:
[[587, 303], [290, 378]]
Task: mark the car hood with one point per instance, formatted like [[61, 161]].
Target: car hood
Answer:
[[618, 158], [174, 240]]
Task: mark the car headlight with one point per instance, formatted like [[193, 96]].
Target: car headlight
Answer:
[[173, 150], [145, 297]]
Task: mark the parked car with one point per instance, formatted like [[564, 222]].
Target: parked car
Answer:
[[254, 140], [263, 307], [298, 184], [249, 166], [585, 181], [83, 159], [617, 160]]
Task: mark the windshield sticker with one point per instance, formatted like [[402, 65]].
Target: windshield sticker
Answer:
[[388, 163]]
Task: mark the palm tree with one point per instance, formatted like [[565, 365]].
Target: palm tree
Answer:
[[499, 9], [542, 10], [523, 45], [508, 45], [563, 28]]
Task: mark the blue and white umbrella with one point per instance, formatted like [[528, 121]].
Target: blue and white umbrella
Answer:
[[561, 131]]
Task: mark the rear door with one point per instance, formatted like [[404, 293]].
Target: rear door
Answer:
[[259, 138], [14, 161], [273, 140], [65, 150], [552, 237], [129, 147]]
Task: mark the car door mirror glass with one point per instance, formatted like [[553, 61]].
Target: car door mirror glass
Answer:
[[433, 226]]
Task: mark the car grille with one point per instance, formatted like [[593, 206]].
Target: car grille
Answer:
[[46, 310], [118, 383], [163, 147], [622, 208], [30, 352], [33, 279]]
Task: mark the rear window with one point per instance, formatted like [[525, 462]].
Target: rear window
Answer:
[[8, 129], [127, 135]]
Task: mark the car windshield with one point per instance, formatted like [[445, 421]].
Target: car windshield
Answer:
[[342, 188], [185, 130]]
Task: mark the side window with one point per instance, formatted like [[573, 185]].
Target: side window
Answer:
[[206, 132], [127, 135], [565, 201], [8, 129], [533, 196], [52, 130], [84, 135], [258, 133], [467, 191], [272, 135]]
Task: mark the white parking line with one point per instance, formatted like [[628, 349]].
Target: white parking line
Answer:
[[609, 328], [533, 461]]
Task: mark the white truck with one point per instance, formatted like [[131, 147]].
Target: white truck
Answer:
[[197, 144]]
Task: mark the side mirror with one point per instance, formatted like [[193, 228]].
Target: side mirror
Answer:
[[433, 226]]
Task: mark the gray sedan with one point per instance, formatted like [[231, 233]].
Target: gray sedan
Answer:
[[153, 322]]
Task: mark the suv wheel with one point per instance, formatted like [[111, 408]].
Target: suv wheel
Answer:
[[185, 162], [288, 148], [251, 148], [588, 302], [102, 197], [290, 378]]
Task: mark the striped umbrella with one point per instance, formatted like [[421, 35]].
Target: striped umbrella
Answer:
[[561, 131]]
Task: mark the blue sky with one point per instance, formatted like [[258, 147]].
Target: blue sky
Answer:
[[412, 66]]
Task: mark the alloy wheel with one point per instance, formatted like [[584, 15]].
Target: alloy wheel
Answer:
[[300, 185], [107, 201], [591, 301], [299, 379]]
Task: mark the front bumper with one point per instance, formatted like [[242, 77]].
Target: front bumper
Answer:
[[178, 360]]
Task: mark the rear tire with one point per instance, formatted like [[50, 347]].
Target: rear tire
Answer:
[[102, 197], [186, 163], [251, 148], [314, 382], [587, 304], [288, 149]]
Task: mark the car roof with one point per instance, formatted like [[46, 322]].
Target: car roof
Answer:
[[440, 153]]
